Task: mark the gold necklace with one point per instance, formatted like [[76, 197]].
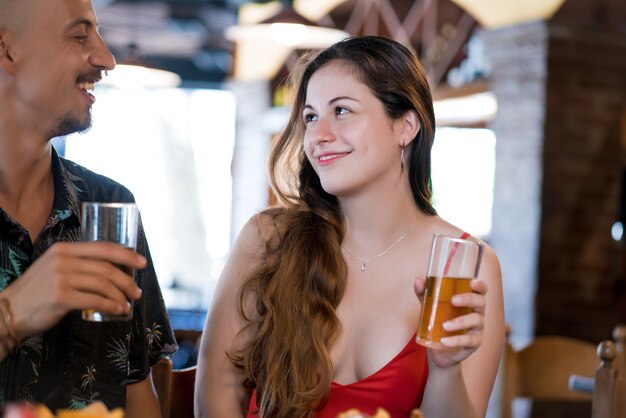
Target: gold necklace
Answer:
[[364, 262]]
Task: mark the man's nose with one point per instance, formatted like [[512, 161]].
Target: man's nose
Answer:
[[101, 56]]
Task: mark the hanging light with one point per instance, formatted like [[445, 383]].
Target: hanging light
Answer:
[[498, 13], [315, 9], [288, 28], [263, 47]]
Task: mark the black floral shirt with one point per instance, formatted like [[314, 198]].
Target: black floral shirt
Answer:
[[77, 362]]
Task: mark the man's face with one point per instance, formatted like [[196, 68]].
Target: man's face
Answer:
[[59, 56]]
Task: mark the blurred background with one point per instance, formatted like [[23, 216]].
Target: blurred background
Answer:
[[530, 100]]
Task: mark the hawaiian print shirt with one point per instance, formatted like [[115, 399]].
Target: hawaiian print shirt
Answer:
[[77, 362]]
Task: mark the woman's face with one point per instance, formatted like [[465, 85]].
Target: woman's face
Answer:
[[349, 140]]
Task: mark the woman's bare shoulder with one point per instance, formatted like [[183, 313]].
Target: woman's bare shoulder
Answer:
[[438, 225], [260, 228]]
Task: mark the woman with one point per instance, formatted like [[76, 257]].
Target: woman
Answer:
[[314, 309]]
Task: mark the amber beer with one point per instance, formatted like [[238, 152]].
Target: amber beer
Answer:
[[453, 263], [438, 307]]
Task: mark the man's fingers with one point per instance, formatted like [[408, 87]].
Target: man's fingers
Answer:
[[104, 276], [100, 250], [97, 285], [74, 272], [86, 300]]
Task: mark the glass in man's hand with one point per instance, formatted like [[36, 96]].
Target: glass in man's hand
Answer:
[[112, 222]]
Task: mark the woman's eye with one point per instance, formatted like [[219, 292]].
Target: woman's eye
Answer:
[[340, 110], [309, 118]]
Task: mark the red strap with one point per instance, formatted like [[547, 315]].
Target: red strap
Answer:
[[454, 247]]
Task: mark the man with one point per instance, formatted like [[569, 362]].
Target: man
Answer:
[[51, 55]]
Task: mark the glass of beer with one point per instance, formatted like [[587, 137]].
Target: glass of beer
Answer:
[[453, 263], [113, 222]]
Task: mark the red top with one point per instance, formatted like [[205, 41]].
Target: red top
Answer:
[[397, 387]]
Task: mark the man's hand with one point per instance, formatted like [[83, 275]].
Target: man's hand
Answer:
[[72, 276]]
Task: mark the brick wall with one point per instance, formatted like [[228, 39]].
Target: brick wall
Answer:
[[582, 174], [582, 164], [561, 92]]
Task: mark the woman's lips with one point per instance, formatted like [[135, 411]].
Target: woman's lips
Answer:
[[330, 158]]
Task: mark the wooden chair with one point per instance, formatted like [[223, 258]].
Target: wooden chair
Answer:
[[541, 370], [162, 381], [175, 389], [188, 334], [609, 394]]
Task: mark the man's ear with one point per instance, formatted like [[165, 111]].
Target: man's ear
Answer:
[[410, 126], [6, 56]]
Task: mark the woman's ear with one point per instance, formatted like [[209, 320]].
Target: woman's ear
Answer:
[[410, 126]]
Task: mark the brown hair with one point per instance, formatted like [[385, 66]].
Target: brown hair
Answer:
[[302, 276]]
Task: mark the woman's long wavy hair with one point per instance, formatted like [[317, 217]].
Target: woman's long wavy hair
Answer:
[[302, 275]]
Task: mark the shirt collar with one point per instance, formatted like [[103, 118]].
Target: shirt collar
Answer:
[[66, 189]]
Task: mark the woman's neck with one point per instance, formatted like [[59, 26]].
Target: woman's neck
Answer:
[[372, 219]]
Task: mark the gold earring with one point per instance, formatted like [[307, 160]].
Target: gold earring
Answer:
[[402, 157]]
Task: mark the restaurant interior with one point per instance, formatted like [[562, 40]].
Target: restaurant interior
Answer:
[[529, 155]]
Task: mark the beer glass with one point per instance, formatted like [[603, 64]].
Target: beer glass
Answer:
[[453, 263], [113, 222]]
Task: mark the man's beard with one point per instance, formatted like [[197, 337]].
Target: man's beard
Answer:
[[70, 124]]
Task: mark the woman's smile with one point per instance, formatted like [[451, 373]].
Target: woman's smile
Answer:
[[329, 158]]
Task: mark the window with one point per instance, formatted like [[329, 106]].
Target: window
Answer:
[[463, 167], [173, 149]]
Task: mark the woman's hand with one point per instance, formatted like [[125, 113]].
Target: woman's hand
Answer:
[[459, 347]]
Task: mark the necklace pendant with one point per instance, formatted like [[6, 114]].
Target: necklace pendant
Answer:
[[363, 266]]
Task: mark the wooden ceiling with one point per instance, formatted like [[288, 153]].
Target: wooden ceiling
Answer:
[[187, 36]]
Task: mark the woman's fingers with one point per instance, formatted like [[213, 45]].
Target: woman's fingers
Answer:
[[459, 347], [419, 286], [478, 286], [476, 301], [470, 300], [473, 321], [469, 342]]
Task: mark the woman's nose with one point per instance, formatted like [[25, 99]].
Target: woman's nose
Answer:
[[322, 131]]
